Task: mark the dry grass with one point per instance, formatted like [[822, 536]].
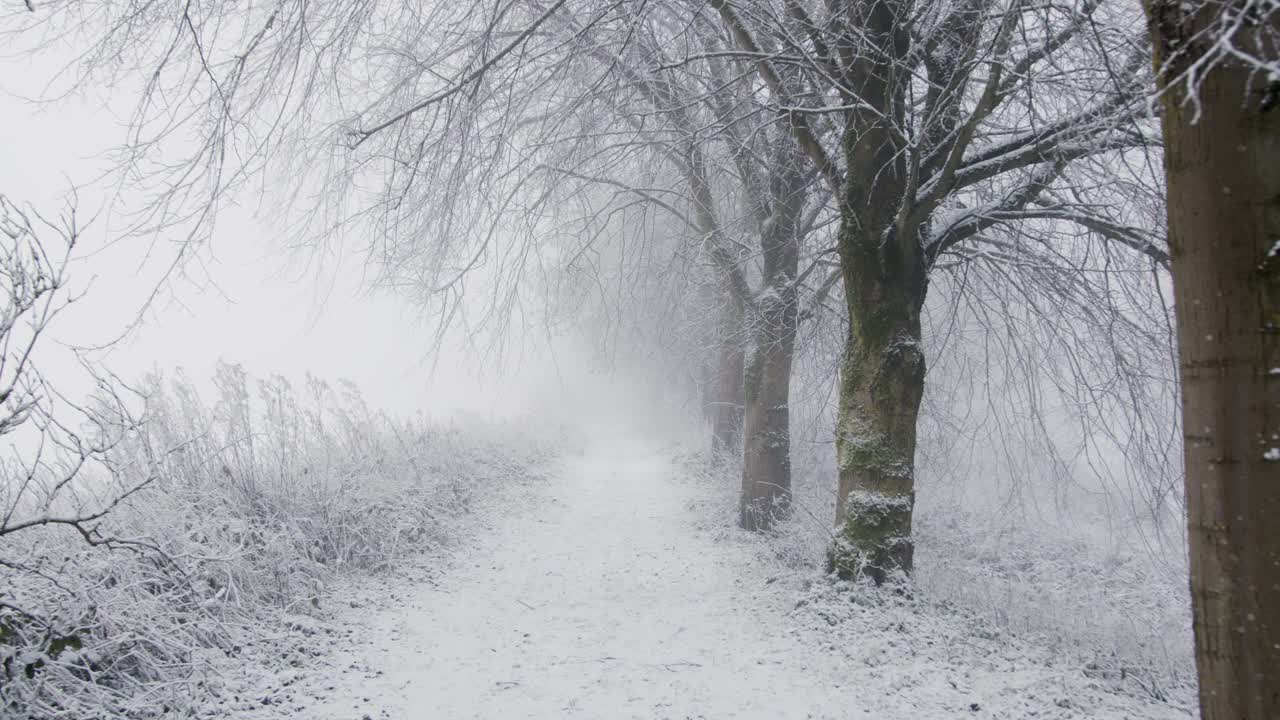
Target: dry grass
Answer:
[[260, 499]]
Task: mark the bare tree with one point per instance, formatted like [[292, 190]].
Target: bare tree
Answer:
[[56, 478], [935, 124], [63, 467], [941, 130], [1219, 77], [743, 189]]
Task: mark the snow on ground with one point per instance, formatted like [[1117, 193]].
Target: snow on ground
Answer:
[[603, 593]]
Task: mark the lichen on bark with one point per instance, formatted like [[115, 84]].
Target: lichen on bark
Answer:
[[881, 384], [875, 538]]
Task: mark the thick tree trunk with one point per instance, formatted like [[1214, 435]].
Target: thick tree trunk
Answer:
[[885, 278], [881, 384], [727, 395], [1222, 160], [766, 469]]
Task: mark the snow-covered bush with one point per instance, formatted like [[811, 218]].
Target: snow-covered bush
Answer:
[[254, 503]]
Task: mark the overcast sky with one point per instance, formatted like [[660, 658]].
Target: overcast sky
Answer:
[[248, 300]]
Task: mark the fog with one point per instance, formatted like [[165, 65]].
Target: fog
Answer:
[[673, 399], [245, 297]]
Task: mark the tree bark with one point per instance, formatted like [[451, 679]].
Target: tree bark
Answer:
[[728, 395], [1222, 162], [775, 316], [881, 385], [766, 468], [885, 279]]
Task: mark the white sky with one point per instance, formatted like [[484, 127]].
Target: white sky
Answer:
[[264, 309]]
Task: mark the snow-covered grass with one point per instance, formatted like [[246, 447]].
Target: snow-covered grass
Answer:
[[1121, 617], [1127, 612], [263, 498], [619, 588]]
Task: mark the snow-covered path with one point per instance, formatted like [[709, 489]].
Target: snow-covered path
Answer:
[[598, 596], [604, 602]]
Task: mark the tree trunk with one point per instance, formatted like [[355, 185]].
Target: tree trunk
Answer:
[[766, 468], [881, 384], [885, 278], [727, 395], [1223, 170]]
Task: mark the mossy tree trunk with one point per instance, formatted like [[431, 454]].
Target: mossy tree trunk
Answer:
[[885, 279], [881, 385], [1222, 161]]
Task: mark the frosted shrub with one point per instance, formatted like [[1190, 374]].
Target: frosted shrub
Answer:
[[255, 502]]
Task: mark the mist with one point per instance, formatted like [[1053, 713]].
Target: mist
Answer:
[[755, 359]]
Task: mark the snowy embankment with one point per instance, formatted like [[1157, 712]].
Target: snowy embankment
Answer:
[[608, 591], [261, 504]]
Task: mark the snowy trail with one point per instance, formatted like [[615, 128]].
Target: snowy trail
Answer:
[[603, 602], [600, 597]]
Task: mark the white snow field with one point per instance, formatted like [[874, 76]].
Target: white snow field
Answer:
[[602, 593]]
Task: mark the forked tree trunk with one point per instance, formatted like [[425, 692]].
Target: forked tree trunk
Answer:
[[766, 469], [1223, 170], [727, 396]]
